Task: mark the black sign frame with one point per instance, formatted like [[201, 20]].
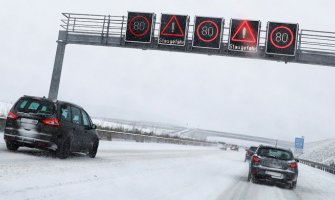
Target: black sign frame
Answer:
[[168, 37], [145, 37], [236, 28], [275, 49], [213, 43]]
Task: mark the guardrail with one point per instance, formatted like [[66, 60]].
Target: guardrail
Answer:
[[320, 166], [109, 135]]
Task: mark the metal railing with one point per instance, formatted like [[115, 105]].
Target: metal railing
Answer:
[[318, 42], [320, 166], [111, 135]]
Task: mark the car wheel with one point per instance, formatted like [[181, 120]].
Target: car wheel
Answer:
[[94, 149], [63, 148], [254, 179], [11, 146], [293, 185]]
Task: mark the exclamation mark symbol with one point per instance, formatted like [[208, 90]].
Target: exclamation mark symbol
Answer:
[[173, 25], [244, 32]]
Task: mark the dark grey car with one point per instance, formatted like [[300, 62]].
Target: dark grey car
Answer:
[[273, 164], [52, 125], [249, 153]]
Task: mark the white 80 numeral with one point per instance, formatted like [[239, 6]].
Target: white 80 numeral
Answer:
[[139, 26], [282, 37], [207, 31]]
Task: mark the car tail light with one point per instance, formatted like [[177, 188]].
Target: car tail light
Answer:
[[293, 165], [256, 160], [12, 116], [51, 122]]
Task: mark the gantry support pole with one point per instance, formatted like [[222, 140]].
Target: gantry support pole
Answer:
[[57, 71]]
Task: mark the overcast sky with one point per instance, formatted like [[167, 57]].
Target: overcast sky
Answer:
[[260, 98]]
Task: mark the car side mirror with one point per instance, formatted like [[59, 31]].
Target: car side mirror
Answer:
[[296, 160], [94, 126]]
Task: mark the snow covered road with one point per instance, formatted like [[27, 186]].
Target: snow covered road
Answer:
[[137, 171]]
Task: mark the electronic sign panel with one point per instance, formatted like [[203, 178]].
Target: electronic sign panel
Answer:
[[173, 29], [244, 35], [207, 32], [282, 38], [139, 27]]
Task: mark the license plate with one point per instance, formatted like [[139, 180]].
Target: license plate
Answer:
[[29, 121], [274, 174]]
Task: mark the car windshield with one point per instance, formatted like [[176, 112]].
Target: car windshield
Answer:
[[35, 106], [275, 153]]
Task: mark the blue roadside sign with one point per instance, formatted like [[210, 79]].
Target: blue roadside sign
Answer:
[[299, 143]]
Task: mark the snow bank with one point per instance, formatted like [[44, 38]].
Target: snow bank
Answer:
[[321, 151], [143, 127]]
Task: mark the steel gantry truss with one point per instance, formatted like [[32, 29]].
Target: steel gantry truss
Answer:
[[313, 47]]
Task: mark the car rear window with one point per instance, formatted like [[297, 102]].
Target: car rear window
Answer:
[[253, 149], [275, 153], [36, 106]]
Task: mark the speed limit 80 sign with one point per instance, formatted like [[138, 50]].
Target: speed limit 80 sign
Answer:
[[282, 38], [139, 27], [207, 32]]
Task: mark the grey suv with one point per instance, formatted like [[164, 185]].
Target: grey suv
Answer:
[[273, 164], [52, 125]]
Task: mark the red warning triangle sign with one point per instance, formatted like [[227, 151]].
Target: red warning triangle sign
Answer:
[[244, 34], [173, 28]]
